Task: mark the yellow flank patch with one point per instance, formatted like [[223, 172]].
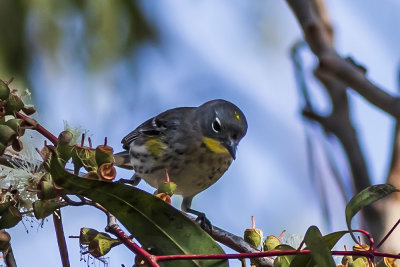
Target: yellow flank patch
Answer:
[[237, 116], [214, 145], [155, 146]]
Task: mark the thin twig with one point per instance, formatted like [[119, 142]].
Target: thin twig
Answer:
[[38, 127], [388, 234], [114, 229], [238, 244], [62, 245], [337, 74], [9, 257]]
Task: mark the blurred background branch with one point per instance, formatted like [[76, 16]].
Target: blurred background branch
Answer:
[[336, 74]]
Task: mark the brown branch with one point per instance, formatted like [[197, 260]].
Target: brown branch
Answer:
[[9, 257], [238, 244], [62, 245], [336, 74], [8, 254], [319, 40]]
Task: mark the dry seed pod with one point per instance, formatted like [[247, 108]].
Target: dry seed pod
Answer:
[[4, 240], [10, 218], [165, 197], [104, 154], [29, 110], [17, 145], [4, 90], [107, 171]]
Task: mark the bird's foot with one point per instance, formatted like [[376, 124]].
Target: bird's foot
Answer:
[[133, 181], [205, 223]]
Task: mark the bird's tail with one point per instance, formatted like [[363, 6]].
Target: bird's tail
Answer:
[[122, 160]]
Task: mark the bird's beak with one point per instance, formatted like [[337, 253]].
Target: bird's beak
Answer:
[[231, 146]]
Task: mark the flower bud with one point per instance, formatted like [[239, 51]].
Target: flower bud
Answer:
[[167, 188], [271, 242], [4, 90], [360, 247], [7, 135], [101, 245], [347, 260], [64, 149], [44, 208], [87, 235], [18, 125], [252, 235], [14, 104], [10, 218], [104, 154], [46, 187]]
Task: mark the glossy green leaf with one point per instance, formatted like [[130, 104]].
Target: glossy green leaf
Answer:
[[330, 240], [151, 221], [366, 197], [283, 261], [320, 251]]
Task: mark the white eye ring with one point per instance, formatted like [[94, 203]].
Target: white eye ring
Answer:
[[216, 125]]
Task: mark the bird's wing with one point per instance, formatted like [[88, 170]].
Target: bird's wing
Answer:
[[169, 119]]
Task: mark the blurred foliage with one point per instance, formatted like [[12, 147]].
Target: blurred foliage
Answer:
[[98, 32]]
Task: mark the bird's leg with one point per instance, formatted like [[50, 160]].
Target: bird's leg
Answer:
[[205, 224], [135, 180]]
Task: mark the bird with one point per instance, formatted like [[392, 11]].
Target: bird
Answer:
[[195, 145]]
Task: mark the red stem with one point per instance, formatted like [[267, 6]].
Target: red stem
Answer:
[[62, 245], [388, 234], [151, 259], [367, 253], [38, 128], [367, 234]]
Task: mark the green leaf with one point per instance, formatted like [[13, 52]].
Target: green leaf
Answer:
[[320, 251], [154, 223], [366, 197], [283, 261], [306, 260]]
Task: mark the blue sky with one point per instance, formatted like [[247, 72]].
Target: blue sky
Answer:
[[238, 51]]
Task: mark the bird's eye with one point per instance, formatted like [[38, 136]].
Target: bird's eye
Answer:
[[216, 125]]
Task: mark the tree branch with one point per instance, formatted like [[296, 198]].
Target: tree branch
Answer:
[[61, 238], [336, 74], [320, 42]]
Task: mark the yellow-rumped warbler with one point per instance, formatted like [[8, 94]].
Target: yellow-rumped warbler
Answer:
[[195, 145]]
